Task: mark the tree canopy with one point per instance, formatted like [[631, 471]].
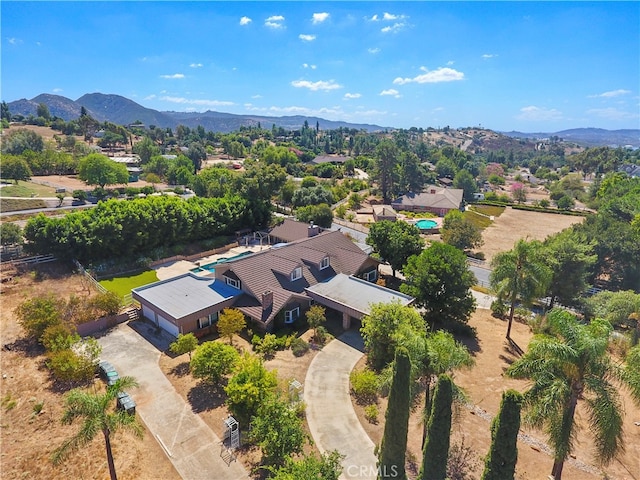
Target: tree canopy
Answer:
[[97, 169], [395, 242]]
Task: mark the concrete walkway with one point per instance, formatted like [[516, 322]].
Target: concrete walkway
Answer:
[[192, 447], [330, 415]]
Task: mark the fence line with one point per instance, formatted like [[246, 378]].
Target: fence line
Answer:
[[89, 277], [34, 259]]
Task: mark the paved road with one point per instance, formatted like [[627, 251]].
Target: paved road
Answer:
[[192, 447], [332, 421]]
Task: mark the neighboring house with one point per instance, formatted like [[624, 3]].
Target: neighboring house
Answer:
[[384, 212], [433, 199], [272, 287], [329, 159], [291, 230], [631, 170]]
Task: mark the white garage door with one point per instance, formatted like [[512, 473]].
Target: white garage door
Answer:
[[168, 326], [148, 313]]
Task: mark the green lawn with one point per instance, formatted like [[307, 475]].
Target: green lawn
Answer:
[[123, 285], [28, 190]]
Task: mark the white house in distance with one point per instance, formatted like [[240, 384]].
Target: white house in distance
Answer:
[[272, 287], [436, 200]]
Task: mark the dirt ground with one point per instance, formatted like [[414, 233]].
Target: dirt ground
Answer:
[[72, 182], [28, 439], [484, 384], [513, 225]]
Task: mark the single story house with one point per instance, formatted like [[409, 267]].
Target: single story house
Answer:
[[291, 230], [272, 287], [433, 199], [384, 212]]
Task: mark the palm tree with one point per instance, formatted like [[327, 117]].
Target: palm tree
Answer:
[[571, 363], [99, 416], [519, 274]]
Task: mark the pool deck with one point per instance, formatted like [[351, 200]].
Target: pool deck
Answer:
[[180, 267]]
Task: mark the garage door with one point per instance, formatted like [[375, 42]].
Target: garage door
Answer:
[[168, 326], [148, 313]]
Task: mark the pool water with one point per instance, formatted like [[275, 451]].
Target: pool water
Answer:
[[210, 266], [426, 224]]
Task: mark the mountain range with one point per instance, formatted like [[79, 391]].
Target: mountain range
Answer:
[[123, 111]]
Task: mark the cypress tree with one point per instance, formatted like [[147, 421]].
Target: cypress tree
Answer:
[[396, 427], [500, 463], [436, 448]]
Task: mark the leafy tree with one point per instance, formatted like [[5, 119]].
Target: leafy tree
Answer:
[[14, 168], [69, 365], [36, 314], [570, 364], [10, 234], [97, 169], [500, 463], [565, 202], [16, 142], [213, 360], [436, 447], [186, 343], [312, 196], [95, 409], [146, 149], [464, 180], [5, 114], [105, 304], [315, 318], [250, 385], [395, 242], [570, 258], [278, 430], [519, 192], [520, 274], [320, 215], [385, 327], [440, 279], [327, 467], [396, 427], [411, 174], [459, 231], [231, 322], [385, 171], [618, 308]]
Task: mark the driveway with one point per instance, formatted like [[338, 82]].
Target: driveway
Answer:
[[332, 421], [192, 447]]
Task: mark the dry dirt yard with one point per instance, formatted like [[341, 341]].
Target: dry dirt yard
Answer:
[[26, 439], [513, 225], [484, 384]]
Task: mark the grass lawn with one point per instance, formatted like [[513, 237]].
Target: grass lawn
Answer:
[[123, 285], [28, 190], [15, 204]]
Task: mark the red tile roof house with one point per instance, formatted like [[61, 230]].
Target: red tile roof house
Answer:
[[437, 200], [272, 288]]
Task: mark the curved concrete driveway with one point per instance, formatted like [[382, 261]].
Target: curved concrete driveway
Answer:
[[192, 447], [332, 421]]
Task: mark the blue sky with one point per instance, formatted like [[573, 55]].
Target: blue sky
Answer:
[[528, 66]]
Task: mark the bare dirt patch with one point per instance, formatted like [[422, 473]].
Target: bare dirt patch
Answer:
[[28, 439], [484, 385], [513, 225]]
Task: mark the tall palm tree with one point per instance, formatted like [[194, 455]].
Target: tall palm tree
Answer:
[[571, 363], [520, 274], [99, 416]]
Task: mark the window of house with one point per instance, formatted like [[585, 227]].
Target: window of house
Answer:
[[296, 274], [324, 263], [233, 282], [207, 321], [290, 316], [371, 276]]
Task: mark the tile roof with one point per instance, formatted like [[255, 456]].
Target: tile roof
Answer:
[[291, 230], [440, 198]]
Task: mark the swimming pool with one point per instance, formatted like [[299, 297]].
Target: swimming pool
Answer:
[[210, 266], [424, 224]]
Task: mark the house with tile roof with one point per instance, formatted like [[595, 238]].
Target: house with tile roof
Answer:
[[272, 288], [433, 199]]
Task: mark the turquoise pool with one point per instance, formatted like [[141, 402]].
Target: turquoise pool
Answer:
[[211, 266], [424, 224]]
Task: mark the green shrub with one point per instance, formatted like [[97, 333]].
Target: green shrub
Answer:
[[371, 413], [498, 308], [268, 346], [299, 347], [364, 385]]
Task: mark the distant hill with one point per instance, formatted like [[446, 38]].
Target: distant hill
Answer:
[[589, 136], [123, 111]]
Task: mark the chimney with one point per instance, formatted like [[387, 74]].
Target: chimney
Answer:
[[267, 300], [313, 230]]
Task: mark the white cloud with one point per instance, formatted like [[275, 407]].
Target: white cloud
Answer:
[[611, 113], [14, 41], [57, 90], [611, 94], [315, 86], [390, 17], [195, 65], [198, 102], [373, 51], [352, 95], [536, 114], [174, 76], [256, 96], [442, 74], [311, 66], [150, 97], [396, 27], [245, 21], [274, 21], [489, 55], [319, 17], [390, 92], [306, 38]]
